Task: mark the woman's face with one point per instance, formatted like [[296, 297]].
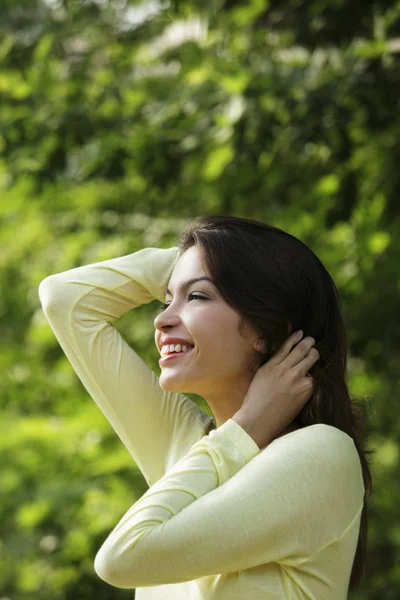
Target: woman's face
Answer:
[[220, 360]]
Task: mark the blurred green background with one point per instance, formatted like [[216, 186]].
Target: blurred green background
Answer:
[[120, 122]]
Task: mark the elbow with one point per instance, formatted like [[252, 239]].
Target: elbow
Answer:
[[104, 568], [54, 296], [111, 570], [47, 291]]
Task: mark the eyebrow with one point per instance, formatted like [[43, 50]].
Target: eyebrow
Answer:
[[186, 284]]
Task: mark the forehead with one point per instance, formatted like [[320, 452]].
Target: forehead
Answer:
[[187, 270], [188, 265]]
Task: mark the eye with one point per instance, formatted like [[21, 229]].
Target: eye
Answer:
[[193, 296], [197, 297]]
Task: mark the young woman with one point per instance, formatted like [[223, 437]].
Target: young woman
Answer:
[[268, 502]]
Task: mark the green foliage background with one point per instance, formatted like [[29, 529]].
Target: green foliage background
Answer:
[[121, 121]]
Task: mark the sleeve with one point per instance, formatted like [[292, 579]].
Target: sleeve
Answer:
[[227, 506], [156, 426]]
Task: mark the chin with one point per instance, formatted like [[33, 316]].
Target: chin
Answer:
[[170, 384], [174, 383]]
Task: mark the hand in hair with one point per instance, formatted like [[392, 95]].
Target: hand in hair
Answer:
[[279, 390]]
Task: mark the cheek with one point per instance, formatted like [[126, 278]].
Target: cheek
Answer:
[[218, 338], [211, 327], [215, 331]]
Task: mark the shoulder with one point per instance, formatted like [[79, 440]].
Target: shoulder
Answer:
[[317, 433], [321, 450], [314, 476]]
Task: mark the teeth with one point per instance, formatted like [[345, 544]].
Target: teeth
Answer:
[[168, 348]]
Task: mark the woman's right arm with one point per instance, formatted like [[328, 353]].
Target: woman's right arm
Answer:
[[157, 427]]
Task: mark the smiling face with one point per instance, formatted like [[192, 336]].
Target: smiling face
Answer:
[[217, 368]]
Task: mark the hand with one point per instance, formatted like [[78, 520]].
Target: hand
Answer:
[[279, 390]]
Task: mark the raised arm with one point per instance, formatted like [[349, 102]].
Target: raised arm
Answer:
[[157, 427]]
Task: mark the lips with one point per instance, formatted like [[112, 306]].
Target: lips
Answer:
[[166, 349], [173, 356], [173, 340]]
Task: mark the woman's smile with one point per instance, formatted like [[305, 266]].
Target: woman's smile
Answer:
[[168, 357]]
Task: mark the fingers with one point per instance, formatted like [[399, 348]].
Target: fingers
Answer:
[[299, 352], [286, 347], [308, 361], [296, 353]]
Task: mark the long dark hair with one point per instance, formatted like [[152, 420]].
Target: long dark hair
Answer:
[[279, 285]]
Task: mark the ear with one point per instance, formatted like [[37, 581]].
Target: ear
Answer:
[[260, 346]]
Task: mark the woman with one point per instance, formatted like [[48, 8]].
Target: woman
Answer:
[[270, 503]]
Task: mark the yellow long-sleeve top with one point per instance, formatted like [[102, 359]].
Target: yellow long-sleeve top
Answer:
[[221, 519]]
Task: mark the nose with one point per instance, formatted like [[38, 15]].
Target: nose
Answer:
[[167, 318]]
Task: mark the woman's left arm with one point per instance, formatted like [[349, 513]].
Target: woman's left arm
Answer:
[[226, 506]]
